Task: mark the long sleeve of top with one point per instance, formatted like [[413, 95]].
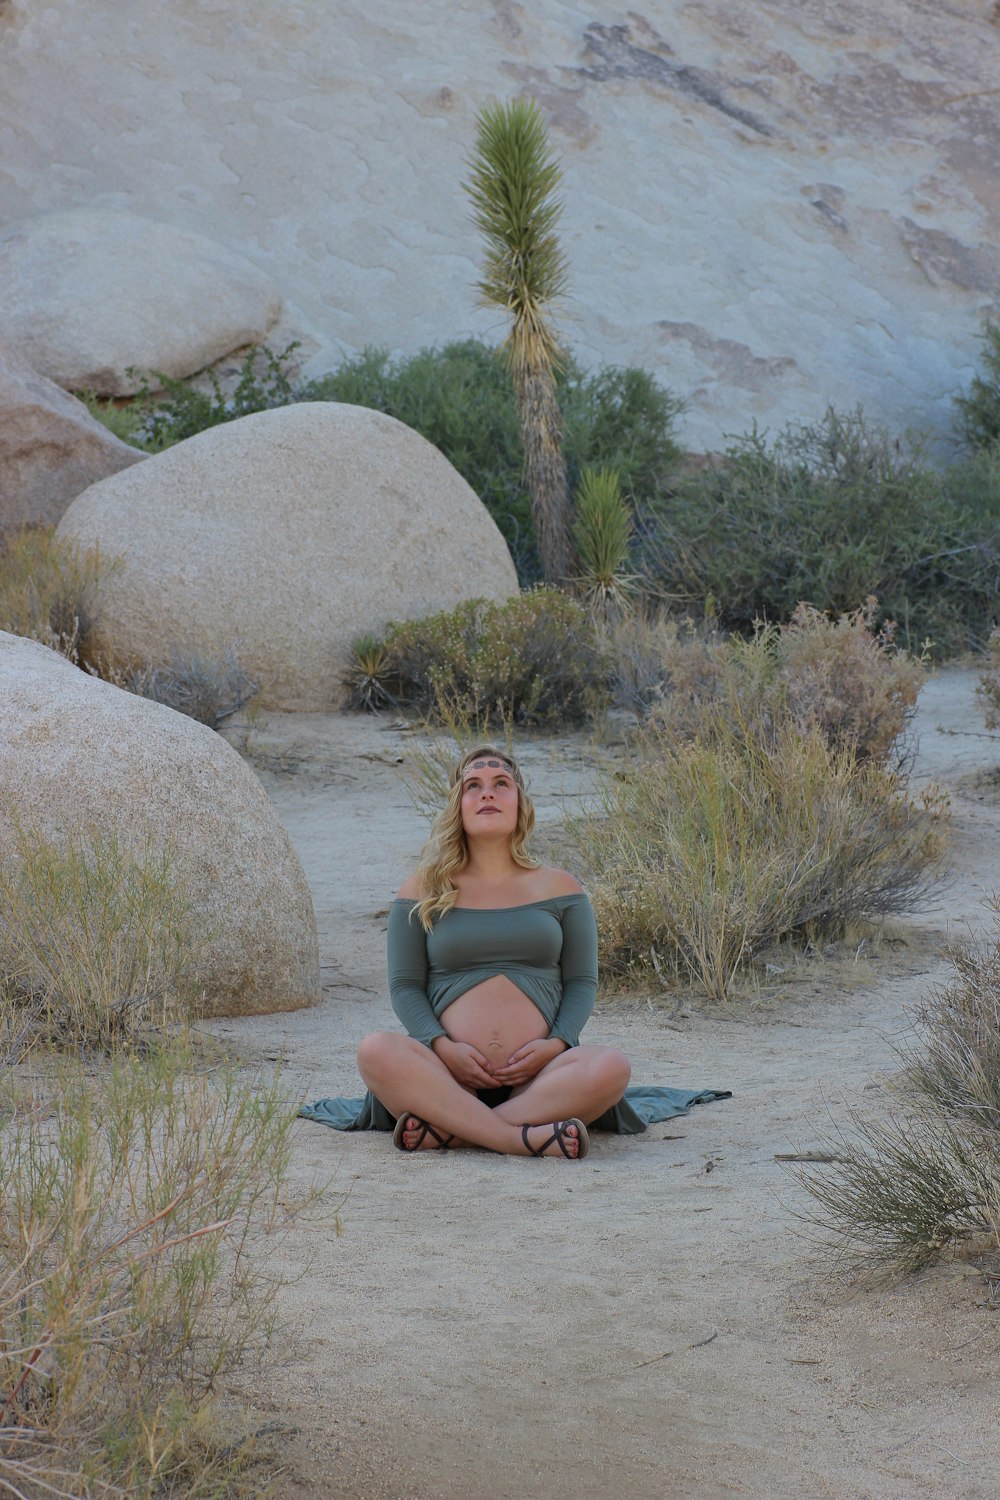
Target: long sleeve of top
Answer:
[[548, 949]]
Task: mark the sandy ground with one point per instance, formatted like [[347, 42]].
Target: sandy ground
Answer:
[[651, 1321]]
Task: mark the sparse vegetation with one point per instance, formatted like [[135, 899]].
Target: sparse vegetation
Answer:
[[923, 1180], [831, 513], [48, 589], [843, 677], [531, 661], [709, 851], [207, 688], [132, 1187], [97, 944], [129, 1284]]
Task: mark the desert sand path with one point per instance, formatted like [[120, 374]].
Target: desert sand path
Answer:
[[651, 1322]]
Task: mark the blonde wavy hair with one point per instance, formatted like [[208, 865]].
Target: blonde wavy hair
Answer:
[[447, 851]]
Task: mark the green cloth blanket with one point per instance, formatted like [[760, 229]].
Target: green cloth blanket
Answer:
[[639, 1107]]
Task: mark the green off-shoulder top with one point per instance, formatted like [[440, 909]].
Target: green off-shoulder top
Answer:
[[548, 949]]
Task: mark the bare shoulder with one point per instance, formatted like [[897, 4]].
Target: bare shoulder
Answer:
[[409, 890], [552, 882]]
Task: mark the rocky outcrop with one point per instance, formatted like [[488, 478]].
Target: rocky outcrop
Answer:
[[51, 448], [773, 207], [286, 535], [89, 297], [79, 755]]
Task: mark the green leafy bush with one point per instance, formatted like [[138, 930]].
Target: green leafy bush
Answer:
[[904, 1188], [531, 661], [713, 849], [177, 409], [830, 514], [979, 411]]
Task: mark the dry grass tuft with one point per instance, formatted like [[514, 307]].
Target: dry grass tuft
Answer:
[[48, 589], [925, 1181]]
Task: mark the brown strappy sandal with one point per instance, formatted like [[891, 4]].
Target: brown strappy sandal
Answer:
[[443, 1141], [558, 1132]]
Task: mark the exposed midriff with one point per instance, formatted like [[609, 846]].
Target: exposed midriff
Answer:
[[496, 1018]]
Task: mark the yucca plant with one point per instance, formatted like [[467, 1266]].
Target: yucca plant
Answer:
[[512, 185], [366, 676], [602, 531]]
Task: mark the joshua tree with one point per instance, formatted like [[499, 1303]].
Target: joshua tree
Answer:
[[512, 183]]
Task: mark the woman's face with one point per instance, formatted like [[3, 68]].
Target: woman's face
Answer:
[[489, 800]]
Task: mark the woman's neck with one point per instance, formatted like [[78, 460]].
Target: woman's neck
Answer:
[[488, 864]]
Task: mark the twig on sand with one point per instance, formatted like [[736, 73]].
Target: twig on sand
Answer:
[[668, 1353]]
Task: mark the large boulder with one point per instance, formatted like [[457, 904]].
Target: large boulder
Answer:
[[88, 293], [51, 448], [286, 535], [79, 755]]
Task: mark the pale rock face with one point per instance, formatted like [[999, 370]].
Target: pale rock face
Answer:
[[772, 206], [78, 755], [51, 448], [88, 294], [286, 535]]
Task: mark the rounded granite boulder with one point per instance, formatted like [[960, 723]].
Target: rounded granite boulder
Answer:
[[88, 295], [80, 756], [285, 536]]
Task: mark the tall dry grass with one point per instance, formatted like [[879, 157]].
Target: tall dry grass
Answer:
[[904, 1188], [707, 851], [142, 1186], [48, 589]]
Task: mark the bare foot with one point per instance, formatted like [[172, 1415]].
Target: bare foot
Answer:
[[417, 1135], [565, 1138]]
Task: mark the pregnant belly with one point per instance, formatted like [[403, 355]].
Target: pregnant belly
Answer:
[[496, 1018]]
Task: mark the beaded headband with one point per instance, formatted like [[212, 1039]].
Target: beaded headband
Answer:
[[492, 763]]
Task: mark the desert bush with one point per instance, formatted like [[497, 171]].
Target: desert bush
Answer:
[[832, 513], [130, 1200], [988, 687], [48, 589], [708, 851], [841, 676], [97, 944], [207, 688], [533, 660], [979, 410], [923, 1180]]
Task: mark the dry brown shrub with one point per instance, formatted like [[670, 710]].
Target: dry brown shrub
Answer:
[[989, 683], [840, 676]]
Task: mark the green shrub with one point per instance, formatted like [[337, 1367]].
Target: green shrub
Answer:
[[96, 944], [713, 849], [131, 1198], [534, 660], [830, 514], [905, 1188], [48, 589], [979, 411]]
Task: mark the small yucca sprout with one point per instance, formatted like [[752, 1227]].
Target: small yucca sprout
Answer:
[[367, 674], [603, 532]]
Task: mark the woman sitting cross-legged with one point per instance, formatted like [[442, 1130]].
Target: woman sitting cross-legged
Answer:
[[493, 973]]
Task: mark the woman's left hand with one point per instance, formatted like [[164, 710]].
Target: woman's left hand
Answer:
[[529, 1060]]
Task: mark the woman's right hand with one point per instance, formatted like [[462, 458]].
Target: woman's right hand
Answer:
[[464, 1062]]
